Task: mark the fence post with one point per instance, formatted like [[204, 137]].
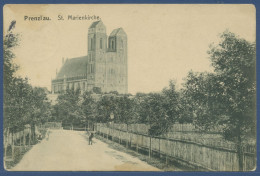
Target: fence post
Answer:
[[119, 137], [112, 134], [12, 145], [130, 139], [5, 148], [150, 147], [30, 137], [20, 138], [159, 148], [166, 155], [126, 142], [24, 139], [107, 132], [127, 136]]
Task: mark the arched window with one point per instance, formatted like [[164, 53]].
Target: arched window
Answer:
[[91, 68], [92, 44], [113, 44], [101, 43]]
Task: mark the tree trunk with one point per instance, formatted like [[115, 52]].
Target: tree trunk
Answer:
[[240, 153]]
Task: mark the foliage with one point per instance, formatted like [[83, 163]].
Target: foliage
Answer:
[[88, 105], [234, 60], [23, 104], [106, 106], [199, 94], [153, 112], [172, 103], [68, 109], [124, 109]]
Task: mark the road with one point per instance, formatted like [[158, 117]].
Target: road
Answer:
[[69, 151]]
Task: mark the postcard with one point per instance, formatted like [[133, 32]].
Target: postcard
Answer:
[[129, 87]]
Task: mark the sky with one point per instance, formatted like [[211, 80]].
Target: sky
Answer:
[[165, 41]]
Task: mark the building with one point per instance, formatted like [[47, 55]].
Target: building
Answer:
[[104, 68]]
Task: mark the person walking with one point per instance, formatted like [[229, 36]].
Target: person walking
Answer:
[[90, 139]]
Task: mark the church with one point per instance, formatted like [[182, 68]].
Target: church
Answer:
[[104, 68]]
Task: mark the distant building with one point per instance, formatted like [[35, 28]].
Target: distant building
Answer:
[[52, 98], [104, 68]]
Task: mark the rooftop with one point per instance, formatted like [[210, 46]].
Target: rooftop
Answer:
[[73, 67]]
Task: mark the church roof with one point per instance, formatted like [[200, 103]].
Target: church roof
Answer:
[[73, 67], [118, 31], [94, 24]]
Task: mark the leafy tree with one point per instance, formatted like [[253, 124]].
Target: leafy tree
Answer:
[[68, 107], [9, 42], [186, 109], [88, 107], [172, 103], [105, 106], [153, 112], [124, 109], [23, 104], [234, 60], [199, 94]]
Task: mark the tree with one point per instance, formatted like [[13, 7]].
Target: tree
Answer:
[[153, 112], [23, 104], [172, 103], [68, 107], [199, 95], [89, 107], [105, 106], [9, 69], [234, 61], [124, 109]]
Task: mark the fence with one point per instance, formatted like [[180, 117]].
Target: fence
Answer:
[[52, 125], [209, 156], [143, 128], [24, 138], [87, 126]]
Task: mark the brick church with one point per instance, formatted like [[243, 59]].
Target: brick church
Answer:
[[104, 68]]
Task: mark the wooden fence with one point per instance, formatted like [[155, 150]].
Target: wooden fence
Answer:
[[217, 157], [14, 140], [24, 138], [52, 125]]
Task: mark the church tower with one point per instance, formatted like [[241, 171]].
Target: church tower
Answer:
[[117, 61], [104, 68], [97, 47]]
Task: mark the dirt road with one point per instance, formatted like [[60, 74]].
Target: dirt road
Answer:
[[69, 151]]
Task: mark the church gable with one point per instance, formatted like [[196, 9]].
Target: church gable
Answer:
[[96, 24], [118, 32]]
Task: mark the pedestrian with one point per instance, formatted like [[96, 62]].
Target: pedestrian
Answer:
[[90, 139], [47, 134]]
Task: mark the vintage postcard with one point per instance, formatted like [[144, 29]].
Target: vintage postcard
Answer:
[[129, 87]]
